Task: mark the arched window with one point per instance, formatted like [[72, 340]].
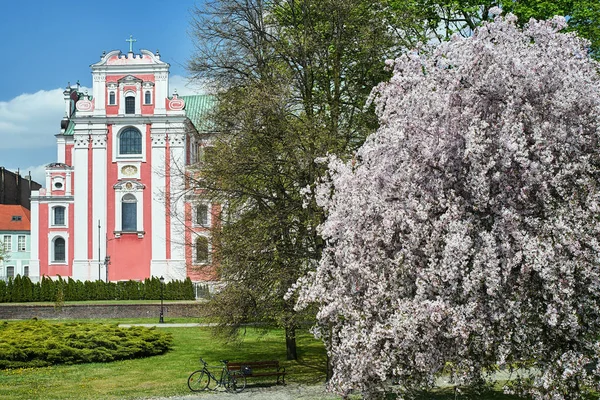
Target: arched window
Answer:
[[130, 141], [201, 250], [147, 97], [111, 98], [59, 250], [59, 215], [129, 213], [130, 105]]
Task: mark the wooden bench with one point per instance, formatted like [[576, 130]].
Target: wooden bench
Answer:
[[256, 369]]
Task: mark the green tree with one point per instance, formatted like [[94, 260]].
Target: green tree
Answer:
[[421, 21], [293, 78]]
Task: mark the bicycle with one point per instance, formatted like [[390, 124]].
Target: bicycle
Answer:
[[203, 379]]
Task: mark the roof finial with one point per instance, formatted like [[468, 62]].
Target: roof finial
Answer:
[[131, 40]]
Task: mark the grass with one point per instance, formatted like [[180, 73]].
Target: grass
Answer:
[[164, 375], [101, 302]]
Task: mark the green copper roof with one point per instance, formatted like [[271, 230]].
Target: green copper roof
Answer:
[[70, 128], [197, 109]]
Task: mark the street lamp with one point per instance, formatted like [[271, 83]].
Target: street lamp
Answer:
[[162, 284]]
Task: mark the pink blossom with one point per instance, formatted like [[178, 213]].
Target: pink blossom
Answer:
[[464, 234]]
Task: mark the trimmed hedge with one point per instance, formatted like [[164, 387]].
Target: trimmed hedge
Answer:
[[37, 343], [22, 290]]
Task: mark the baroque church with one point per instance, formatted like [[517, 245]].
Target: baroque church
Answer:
[[115, 206]]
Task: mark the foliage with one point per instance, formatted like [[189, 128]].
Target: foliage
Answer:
[[422, 21], [463, 237], [36, 343], [292, 78], [21, 289]]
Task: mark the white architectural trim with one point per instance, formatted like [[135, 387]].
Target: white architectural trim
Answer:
[[208, 237], [51, 237], [195, 204], [81, 201], [51, 207], [116, 131], [136, 189]]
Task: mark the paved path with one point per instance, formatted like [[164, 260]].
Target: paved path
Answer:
[[287, 392], [167, 325]]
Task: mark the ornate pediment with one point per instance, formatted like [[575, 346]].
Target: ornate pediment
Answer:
[[129, 80], [129, 186]]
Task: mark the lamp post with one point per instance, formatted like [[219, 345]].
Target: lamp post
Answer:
[[162, 284]]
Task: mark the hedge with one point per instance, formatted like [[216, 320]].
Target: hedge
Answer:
[[21, 290]]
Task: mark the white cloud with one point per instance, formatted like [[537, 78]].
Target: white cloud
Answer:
[[31, 120]]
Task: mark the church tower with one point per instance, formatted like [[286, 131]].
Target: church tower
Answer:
[[112, 205]]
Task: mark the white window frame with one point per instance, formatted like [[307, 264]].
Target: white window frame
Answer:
[[147, 91], [13, 271], [7, 242], [24, 239], [195, 252], [52, 207], [51, 237], [114, 93], [131, 93], [139, 196], [116, 133], [208, 215], [26, 270]]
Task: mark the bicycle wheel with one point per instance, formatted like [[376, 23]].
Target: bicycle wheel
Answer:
[[237, 383], [198, 380]]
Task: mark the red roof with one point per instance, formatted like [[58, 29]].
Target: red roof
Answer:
[[14, 218]]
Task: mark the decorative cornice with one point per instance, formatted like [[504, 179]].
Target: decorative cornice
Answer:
[[176, 140], [99, 141], [158, 139], [82, 141]]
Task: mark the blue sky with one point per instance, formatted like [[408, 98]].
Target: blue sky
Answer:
[[49, 43]]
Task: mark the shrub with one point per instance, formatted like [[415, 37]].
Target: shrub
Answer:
[[36, 343]]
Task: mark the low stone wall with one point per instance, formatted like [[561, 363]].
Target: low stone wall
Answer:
[[81, 311]]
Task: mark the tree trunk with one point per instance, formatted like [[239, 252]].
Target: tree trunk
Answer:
[[290, 342]]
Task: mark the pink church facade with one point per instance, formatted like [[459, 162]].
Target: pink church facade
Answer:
[[115, 206]]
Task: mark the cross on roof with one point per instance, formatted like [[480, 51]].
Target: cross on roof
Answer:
[[131, 40]]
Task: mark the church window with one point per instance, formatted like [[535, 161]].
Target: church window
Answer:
[[129, 105], [59, 215], [201, 250], [202, 215], [129, 213], [147, 97], [111, 98], [130, 142], [59, 250]]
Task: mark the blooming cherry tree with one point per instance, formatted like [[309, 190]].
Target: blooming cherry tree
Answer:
[[464, 236]]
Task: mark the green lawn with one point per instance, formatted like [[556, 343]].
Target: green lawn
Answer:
[[164, 375], [102, 302]]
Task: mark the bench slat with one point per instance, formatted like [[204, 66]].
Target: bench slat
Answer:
[[260, 365]]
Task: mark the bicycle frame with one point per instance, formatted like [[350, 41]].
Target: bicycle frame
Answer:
[[201, 379]]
